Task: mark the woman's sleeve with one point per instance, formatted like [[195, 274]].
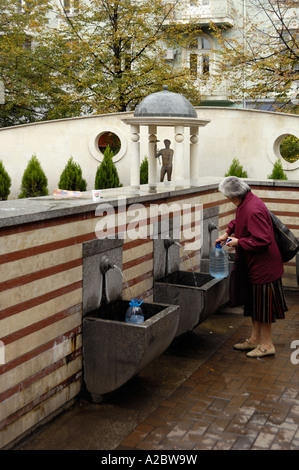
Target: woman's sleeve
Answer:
[[231, 227]]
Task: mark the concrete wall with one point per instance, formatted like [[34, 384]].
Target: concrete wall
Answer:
[[41, 284], [251, 136]]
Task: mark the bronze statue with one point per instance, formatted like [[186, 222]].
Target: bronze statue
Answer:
[[167, 155]]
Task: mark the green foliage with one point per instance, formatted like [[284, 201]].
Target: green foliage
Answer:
[[236, 169], [289, 148], [106, 175], [105, 58], [144, 171], [278, 173], [34, 181], [5, 183], [71, 178]]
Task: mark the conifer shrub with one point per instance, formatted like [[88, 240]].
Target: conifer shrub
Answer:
[[71, 177], [144, 171], [236, 169], [34, 182], [107, 175], [277, 172], [5, 183]]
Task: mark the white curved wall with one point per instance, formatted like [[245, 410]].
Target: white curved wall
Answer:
[[249, 135]]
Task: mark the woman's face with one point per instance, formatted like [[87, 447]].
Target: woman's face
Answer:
[[235, 200]]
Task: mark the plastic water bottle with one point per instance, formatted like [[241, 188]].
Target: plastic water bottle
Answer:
[[134, 314], [219, 262]]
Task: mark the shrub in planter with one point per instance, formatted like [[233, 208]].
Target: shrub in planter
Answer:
[[277, 172], [236, 169], [71, 177], [144, 171], [34, 181], [107, 175], [5, 183]]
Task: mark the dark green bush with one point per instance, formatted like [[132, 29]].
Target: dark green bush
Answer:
[[144, 171], [71, 177], [106, 175], [34, 181], [236, 169], [277, 172], [5, 183]]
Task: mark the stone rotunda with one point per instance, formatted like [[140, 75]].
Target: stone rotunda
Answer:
[[165, 109]]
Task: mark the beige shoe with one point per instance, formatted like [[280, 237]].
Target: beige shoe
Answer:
[[245, 346], [259, 351]]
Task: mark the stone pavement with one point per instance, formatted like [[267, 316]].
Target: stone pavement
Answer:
[[231, 401], [200, 394]]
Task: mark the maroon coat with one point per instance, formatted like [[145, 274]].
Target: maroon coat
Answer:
[[253, 228]]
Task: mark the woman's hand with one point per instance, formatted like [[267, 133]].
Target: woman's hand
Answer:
[[222, 239], [233, 242]]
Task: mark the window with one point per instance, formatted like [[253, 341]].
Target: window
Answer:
[[169, 11], [23, 5], [193, 65], [199, 56], [28, 43], [104, 136], [111, 139], [289, 148], [71, 6]]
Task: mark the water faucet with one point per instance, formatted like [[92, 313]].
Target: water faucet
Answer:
[[212, 226], [168, 242], [105, 264]]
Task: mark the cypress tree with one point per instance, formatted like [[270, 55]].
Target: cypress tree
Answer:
[[71, 177], [144, 171], [236, 169], [277, 172], [34, 181], [106, 175], [5, 183]]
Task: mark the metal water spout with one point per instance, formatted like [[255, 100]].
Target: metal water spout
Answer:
[[211, 226], [168, 242], [105, 264]]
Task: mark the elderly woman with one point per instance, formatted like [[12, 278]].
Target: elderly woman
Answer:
[[254, 241]]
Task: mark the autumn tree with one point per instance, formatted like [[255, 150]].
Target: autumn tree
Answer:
[[261, 59], [24, 82], [92, 56], [112, 53]]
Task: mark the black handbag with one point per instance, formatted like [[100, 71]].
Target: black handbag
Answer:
[[286, 241]]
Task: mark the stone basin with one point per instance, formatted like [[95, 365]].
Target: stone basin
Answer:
[[115, 351], [199, 295]]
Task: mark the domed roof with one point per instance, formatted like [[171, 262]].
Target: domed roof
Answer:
[[165, 103]]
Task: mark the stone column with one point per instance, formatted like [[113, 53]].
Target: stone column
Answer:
[[152, 161], [194, 156], [178, 156], [135, 157]]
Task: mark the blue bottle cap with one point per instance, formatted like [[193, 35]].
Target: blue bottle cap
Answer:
[[218, 245], [136, 302]]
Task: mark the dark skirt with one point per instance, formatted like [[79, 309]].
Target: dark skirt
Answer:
[[265, 302]]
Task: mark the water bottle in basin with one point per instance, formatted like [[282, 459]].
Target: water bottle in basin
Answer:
[[134, 314]]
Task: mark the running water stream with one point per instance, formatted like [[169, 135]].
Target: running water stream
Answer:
[[126, 283], [168, 243]]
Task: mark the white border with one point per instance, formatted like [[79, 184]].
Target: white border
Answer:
[[93, 143]]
